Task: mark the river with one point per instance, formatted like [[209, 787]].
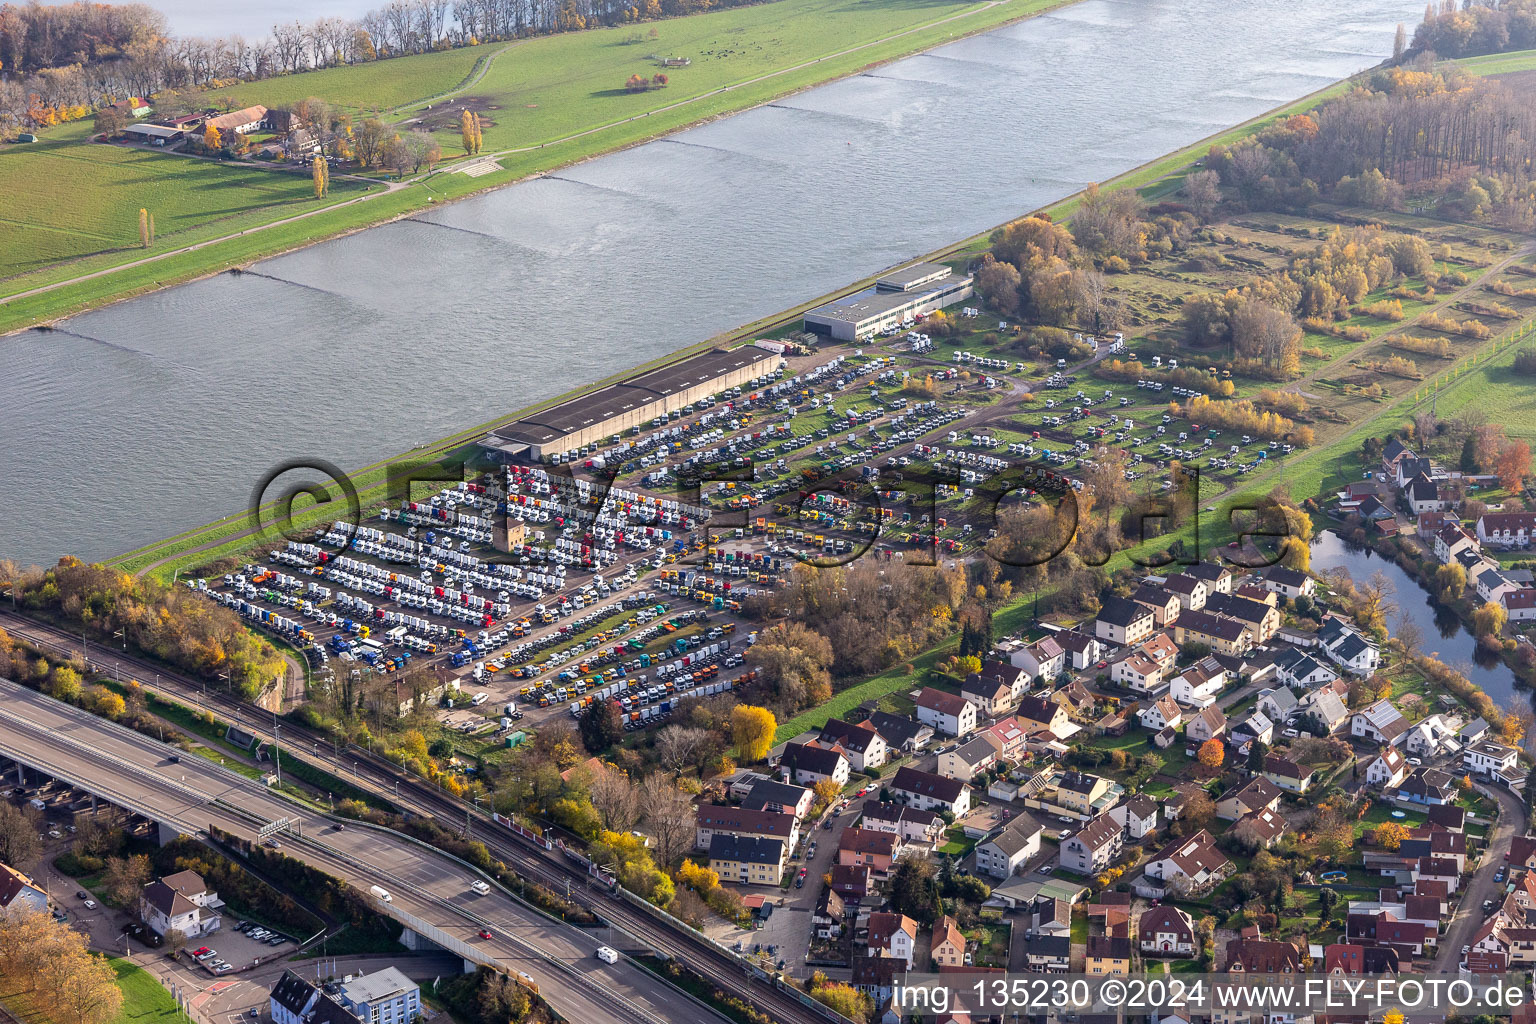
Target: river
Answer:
[[1443, 635], [154, 415]]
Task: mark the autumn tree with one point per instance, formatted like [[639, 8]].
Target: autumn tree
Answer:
[[616, 799], [795, 662], [843, 999], [368, 141], [1488, 620], [110, 121], [1212, 753], [1389, 835], [125, 876], [1513, 464], [826, 791], [143, 228], [19, 846], [752, 730], [467, 132], [321, 174], [212, 137], [421, 150]]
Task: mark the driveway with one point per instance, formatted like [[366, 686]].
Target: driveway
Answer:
[[1469, 915]]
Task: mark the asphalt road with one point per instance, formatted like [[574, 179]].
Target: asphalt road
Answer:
[[1469, 915], [135, 771]]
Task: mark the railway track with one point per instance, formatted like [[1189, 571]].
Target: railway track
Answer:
[[373, 772]]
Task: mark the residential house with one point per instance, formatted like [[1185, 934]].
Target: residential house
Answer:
[[1044, 659], [1075, 699], [948, 713], [991, 695], [1302, 670], [1423, 495], [1217, 578], [1191, 590], [901, 733], [1428, 786], [1206, 724], [1217, 632], [1135, 671], [861, 743], [1288, 583], [1189, 865], [1506, 529], [964, 762], [1257, 794], [743, 821], [907, 823], [1199, 685], [827, 919], [929, 792], [1451, 539], [1167, 931], [1493, 584], [1163, 604], [1093, 847], [781, 797], [1083, 651], [1346, 647], [384, 997], [1048, 954], [1160, 714], [241, 122], [1262, 618], [1261, 829], [747, 860], [1488, 758], [19, 893], [1325, 710], [180, 902], [1520, 605], [1039, 714], [293, 1000], [1138, 815], [1108, 954], [1254, 727], [1287, 774], [1278, 705], [869, 848], [1346, 959], [1079, 792], [852, 881], [1009, 737], [1472, 732], [1381, 722], [1123, 621], [1262, 956], [1006, 852], [892, 935], [948, 945], [806, 765], [876, 976], [1429, 737]]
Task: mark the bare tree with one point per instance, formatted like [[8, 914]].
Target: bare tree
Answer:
[[669, 817], [617, 800], [678, 745]]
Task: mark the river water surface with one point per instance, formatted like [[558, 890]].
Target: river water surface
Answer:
[[155, 415], [1441, 632]]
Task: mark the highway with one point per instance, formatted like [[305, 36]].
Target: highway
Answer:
[[193, 793], [378, 775]]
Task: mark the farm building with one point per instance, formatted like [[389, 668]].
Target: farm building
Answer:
[[900, 295], [596, 417], [152, 134]]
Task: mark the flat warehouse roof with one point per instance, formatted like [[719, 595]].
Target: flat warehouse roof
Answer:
[[700, 369], [916, 274], [863, 306], [638, 391], [158, 131]]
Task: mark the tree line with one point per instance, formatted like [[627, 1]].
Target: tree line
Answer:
[[80, 56]]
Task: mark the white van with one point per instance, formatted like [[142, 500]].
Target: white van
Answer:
[[481, 698], [607, 955], [380, 893], [480, 886]]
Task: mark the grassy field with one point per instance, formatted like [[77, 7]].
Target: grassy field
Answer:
[[145, 1000], [64, 198], [366, 88], [1500, 63], [571, 89]]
